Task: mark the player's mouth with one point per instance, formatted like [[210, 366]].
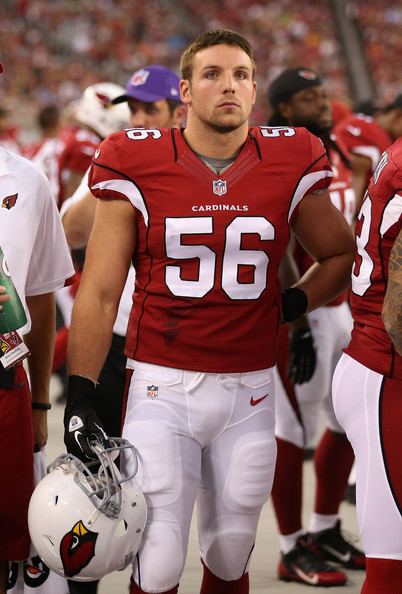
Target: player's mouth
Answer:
[[229, 104]]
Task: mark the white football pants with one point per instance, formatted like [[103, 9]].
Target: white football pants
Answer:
[[200, 437]]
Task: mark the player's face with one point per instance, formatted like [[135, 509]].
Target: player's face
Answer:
[[310, 108], [222, 91], [150, 115]]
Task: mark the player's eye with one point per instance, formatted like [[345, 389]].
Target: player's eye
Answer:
[[211, 74]]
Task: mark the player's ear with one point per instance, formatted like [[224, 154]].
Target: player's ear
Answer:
[[185, 91]]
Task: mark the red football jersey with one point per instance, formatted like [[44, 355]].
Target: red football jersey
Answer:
[[379, 222], [344, 198], [76, 155], [363, 136], [207, 294]]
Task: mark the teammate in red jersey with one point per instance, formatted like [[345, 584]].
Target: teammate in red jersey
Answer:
[[366, 138], [367, 383], [298, 98], [96, 118], [206, 213]]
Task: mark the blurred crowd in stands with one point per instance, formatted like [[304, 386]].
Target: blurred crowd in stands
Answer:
[[381, 25], [53, 50]]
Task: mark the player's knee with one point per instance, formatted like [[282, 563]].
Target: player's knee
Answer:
[[228, 552], [250, 473], [164, 543]]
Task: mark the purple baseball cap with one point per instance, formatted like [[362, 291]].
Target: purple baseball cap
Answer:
[[152, 83]]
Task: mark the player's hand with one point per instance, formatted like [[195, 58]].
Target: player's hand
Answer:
[[81, 422], [301, 356]]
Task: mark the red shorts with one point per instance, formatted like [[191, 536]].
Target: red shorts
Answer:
[[16, 468]]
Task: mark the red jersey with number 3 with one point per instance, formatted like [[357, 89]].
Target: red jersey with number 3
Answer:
[[379, 222], [207, 295]]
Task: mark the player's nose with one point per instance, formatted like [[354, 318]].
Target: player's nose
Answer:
[[228, 83]]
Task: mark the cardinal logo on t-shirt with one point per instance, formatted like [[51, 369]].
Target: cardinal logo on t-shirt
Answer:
[[9, 201], [77, 548]]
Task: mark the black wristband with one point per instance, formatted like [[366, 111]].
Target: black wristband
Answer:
[[41, 405], [294, 304], [80, 388]]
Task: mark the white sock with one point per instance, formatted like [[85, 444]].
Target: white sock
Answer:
[[287, 542], [320, 522]]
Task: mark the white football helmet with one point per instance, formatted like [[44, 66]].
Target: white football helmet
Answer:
[[95, 110], [85, 524]]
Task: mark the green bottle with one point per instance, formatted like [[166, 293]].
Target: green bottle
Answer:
[[12, 315]]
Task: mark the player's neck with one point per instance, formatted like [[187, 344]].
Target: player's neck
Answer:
[[212, 143]]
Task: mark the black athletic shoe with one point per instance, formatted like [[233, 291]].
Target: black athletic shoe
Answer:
[[302, 565], [331, 545]]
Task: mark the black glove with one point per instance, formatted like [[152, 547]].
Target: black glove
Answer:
[[81, 423], [301, 356]]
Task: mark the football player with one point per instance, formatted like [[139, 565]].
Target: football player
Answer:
[[367, 384], [77, 212], [205, 214], [298, 98], [94, 117], [366, 137]]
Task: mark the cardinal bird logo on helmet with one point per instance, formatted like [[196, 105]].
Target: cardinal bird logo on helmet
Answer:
[[9, 201], [104, 99], [77, 548]]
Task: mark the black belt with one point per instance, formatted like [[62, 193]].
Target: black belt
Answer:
[[7, 377]]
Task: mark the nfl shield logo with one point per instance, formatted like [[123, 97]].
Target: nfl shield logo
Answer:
[[139, 78], [219, 187], [152, 391]]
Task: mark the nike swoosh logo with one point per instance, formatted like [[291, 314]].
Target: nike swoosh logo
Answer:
[[313, 580], [257, 400], [343, 558]]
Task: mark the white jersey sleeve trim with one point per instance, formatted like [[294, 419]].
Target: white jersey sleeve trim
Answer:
[[371, 152], [392, 213], [304, 185], [128, 189]]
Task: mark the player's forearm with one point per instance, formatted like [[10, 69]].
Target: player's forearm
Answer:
[[392, 313], [78, 222], [326, 279], [90, 335], [392, 306], [40, 342]]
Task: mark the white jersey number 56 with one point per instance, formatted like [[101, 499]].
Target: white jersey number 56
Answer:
[[233, 257]]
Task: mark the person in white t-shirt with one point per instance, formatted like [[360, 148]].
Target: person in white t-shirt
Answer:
[[36, 256]]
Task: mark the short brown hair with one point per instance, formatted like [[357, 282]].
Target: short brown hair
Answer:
[[209, 39]]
